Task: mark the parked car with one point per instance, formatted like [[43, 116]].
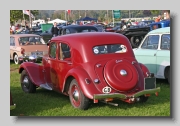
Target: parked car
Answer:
[[154, 52], [27, 47], [136, 33], [12, 105], [26, 31], [69, 29], [46, 35], [77, 29], [88, 67]]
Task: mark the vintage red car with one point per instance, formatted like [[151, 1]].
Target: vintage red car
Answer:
[[95, 66]]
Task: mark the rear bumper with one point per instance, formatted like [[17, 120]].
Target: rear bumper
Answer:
[[125, 96], [12, 107]]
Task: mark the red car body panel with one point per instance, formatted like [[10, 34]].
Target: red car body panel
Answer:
[[86, 67], [35, 72]]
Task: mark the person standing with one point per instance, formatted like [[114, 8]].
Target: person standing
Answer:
[[158, 19], [13, 28], [55, 30]]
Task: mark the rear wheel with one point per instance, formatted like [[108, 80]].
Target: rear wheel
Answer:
[[77, 98], [16, 59], [26, 83], [136, 41]]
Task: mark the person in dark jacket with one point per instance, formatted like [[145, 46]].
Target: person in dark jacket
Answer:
[[55, 30]]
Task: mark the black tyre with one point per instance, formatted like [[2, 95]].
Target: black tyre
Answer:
[[136, 41], [26, 83], [143, 98], [168, 76], [77, 98], [16, 59]]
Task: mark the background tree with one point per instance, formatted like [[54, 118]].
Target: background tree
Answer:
[[147, 13], [15, 15]]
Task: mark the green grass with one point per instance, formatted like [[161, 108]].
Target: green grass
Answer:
[[50, 103]]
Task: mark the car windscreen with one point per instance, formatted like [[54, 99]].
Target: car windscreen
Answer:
[[106, 49], [31, 40]]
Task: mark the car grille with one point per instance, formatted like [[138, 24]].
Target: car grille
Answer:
[[37, 53]]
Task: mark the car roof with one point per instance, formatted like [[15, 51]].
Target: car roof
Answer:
[[78, 26], [160, 30], [23, 35], [90, 37]]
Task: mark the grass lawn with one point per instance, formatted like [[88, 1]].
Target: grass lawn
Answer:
[[50, 103]]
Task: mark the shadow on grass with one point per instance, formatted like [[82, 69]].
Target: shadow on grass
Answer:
[[28, 104], [44, 100]]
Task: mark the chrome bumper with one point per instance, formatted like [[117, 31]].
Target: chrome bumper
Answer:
[[30, 58], [124, 96], [12, 107]]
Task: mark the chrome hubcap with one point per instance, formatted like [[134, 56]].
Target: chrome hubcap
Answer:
[[123, 72], [76, 95], [26, 82]]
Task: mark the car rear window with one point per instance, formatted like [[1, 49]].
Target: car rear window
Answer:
[[32, 40], [106, 49]]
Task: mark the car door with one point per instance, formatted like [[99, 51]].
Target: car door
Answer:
[[12, 47], [163, 55], [147, 52], [51, 74], [64, 62]]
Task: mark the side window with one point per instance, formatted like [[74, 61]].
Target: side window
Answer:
[[53, 48], [151, 42], [165, 41], [144, 45], [67, 31], [64, 51], [12, 41]]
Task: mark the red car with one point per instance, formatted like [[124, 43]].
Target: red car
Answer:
[[93, 66]]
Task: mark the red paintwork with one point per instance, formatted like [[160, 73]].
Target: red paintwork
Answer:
[[82, 65]]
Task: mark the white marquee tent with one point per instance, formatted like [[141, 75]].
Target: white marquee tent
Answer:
[[57, 21]]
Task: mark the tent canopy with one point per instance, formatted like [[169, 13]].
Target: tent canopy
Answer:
[[86, 19], [57, 21]]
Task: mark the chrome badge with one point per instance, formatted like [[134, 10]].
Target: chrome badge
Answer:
[[106, 90], [123, 72]]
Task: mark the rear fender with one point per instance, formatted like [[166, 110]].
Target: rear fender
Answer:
[[80, 75], [35, 72], [144, 69]]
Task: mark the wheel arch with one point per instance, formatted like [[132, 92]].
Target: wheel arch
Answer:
[[80, 75]]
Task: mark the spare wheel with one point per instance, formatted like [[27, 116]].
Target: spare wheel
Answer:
[[120, 74]]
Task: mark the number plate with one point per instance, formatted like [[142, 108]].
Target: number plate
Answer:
[[150, 83]]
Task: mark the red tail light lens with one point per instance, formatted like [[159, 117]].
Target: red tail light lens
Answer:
[[22, 51]]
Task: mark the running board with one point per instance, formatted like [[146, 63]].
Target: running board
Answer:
[[45, 86]]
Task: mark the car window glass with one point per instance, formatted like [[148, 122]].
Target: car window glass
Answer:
[[32, 40], [165, 41], [12, 41], [105, 49], [64, 51], [67, 31], [52, 53], [151, 42]]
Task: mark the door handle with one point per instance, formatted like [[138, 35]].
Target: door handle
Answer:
[[69, 63], [46, 59], [154, 54]]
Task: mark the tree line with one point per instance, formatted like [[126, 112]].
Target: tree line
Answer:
[[101, 15]]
